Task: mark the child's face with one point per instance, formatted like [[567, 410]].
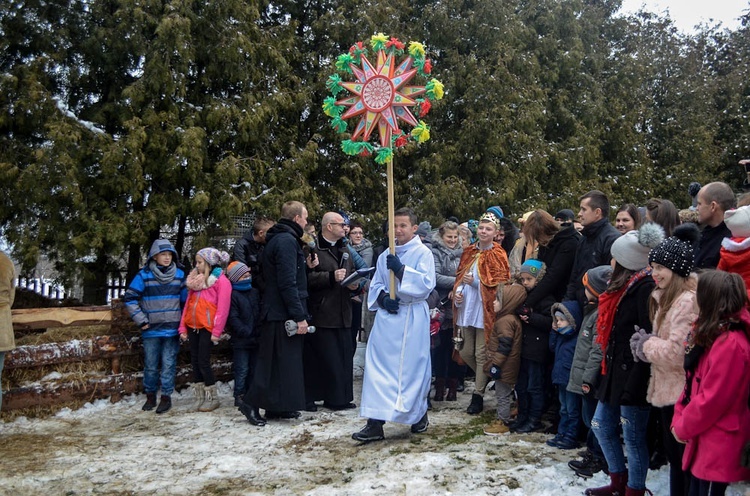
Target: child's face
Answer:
[[246, 276], [590, 296], [200, 264], [662, 275], [497, 306], [527, 281], [561, 322], [164, 258]]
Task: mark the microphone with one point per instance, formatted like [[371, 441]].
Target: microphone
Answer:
[[344, 258]]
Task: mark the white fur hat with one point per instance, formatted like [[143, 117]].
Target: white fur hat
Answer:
[[738, 221], [632, 248]]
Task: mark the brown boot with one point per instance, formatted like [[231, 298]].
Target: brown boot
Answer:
[[452, 385], [617, 486], [439, 389]]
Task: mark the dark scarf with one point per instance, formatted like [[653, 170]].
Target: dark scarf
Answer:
[[608, 303], [164, 275]]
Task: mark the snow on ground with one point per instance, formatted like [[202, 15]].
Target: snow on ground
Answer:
[[106, 448]]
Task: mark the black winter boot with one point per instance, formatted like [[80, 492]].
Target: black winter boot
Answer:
[[150, 402], [420, 426], [372, 431], [252, 414], [165, 403], [476, 406], [452, 385]]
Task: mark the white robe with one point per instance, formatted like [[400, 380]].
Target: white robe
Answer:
[[397, 362]]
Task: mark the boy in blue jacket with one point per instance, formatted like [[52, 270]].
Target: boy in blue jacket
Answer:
[[567, 317], [154, 301]]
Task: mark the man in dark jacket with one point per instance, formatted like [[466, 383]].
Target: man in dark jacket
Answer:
[[713, 200], [278, 382], [248, 249], [328, 357], [594, 247]]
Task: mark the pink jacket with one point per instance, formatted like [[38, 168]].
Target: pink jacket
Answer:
[[666, 350], [208, 308], [716, 422]]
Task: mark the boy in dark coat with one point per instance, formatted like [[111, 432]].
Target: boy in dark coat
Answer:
[[244, 315]]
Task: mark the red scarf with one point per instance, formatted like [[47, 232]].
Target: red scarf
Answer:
[[608, 303]]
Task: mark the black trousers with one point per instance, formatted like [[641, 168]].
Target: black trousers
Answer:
[[700, 487], [679, 481], [200, 356]]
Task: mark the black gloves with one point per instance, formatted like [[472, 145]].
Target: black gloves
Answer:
[[390, 305], [495, 372], [394, 264]]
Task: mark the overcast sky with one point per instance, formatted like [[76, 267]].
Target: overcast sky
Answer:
[[687, 13]]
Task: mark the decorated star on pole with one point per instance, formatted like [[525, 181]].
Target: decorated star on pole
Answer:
[[382, 97]]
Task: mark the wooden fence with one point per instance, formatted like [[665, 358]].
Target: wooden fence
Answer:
[[122, 340]]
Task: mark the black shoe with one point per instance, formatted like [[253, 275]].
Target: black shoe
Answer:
[[579, 464], [165, 403], [372, 431], [252, 414], [476, 406], [517, 423], [150, 402], [420, 426], [238, 400], [282, 415], [529, 426], [311, 407], [589, 468], [345, 406]]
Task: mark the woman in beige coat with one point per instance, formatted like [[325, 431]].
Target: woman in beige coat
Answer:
[[7, 293]]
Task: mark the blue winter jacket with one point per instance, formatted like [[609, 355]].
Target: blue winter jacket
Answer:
[[564, 345], [158, 305]]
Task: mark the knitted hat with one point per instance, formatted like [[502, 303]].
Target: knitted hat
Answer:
[[214, 257], [565, 215], [596, 280], [533, 267], [572, 312], [632, 248], [236, 270], [424, 229], [497, 211], [676, 252], [738, 221], [159, 246]]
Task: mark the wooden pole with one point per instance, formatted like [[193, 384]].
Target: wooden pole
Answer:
[[391, 224]]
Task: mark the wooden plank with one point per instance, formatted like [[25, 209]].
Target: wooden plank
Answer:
[[42, 318], [76, 350], [55, 393]]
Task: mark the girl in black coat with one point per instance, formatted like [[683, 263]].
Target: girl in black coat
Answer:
[[623, 310]]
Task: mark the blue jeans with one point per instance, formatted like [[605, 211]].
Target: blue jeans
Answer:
[[530, 390], [570, 413], [243, 365], [160, 351], [634, 420], [587, 412], [2, 364]]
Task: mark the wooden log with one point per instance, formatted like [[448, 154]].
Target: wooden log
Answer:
[[75, 350], [42, 318], [49, 394]]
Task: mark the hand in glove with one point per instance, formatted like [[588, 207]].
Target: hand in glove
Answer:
[[495, 372], [637, 341], [390, 305], [394, 264]]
